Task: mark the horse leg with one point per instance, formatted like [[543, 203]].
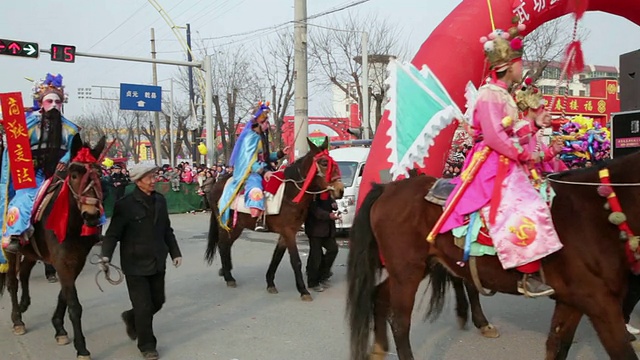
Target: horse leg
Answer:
[[403, 294], [605, 312], [12, 286], [564, 323], [462, 304], [296, 264], [278, 254], [477, 315], [57, 320], [75, 313], [26, 266], [380, 318], [224, 247]]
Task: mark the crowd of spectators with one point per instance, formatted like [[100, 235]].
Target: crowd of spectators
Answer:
[[116, 178]]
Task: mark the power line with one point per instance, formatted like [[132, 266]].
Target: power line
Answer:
[[278, 26], [117, 27]]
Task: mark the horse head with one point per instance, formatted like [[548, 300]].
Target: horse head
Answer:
[[83, 179], [327, 173]]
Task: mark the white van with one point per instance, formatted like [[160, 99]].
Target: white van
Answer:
[[351, 161]]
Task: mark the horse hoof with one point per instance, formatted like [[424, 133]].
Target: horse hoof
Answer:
[[489, 331], [19, 330], [220, 273], [306, 297], [232, 284], [462, 323], [84, 357], [62, 340], [272, 290]]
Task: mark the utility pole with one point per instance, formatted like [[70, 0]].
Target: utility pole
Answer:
[[301, 98], [365, 86], [171, 123], [156, 114], [192, 95]]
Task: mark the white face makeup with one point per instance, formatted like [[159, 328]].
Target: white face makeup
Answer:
[[52, 101]]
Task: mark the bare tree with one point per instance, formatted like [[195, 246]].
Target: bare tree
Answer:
[[337, 47], [275, 64], [548, 43]]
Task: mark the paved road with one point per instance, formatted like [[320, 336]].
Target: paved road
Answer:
[[203, 319]]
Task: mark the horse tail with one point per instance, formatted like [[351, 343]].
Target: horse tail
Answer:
[[439, 279], [363, 261], [213, 237]]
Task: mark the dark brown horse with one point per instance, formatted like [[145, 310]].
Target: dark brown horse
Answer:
[[69, 256], [287, 223], [589, 274]]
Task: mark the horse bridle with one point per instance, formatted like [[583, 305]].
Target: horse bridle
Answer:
[[89, 181]]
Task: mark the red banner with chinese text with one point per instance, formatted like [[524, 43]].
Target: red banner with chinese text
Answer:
[[18, 144]]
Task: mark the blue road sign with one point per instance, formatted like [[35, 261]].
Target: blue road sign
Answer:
[[140, 97]]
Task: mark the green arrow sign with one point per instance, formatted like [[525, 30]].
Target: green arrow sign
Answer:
[[19, 48]]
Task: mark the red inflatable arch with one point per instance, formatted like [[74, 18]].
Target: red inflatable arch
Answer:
[[453, 52]]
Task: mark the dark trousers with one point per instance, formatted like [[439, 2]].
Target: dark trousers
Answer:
[[632, 298], [205, 201], [319, 264], [147, 297]]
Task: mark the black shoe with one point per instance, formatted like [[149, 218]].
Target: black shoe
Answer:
[[150, 355], [52, 278], [127, 317], [14, 245], [261, 225], [532, 287]]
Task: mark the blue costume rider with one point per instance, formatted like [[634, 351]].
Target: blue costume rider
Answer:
[[50, 135], [250, 160]]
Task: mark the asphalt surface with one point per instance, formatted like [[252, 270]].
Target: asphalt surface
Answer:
[[203, 319]]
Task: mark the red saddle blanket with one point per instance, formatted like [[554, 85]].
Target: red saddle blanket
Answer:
[[271, 186]]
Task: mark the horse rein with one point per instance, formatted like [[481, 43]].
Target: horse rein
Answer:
[[589, 183], [107, 273], [89, 181], [319, 173]]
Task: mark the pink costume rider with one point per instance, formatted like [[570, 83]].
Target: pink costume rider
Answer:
[[518, 219]]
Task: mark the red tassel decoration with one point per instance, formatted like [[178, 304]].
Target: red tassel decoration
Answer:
[[578, 7], [575, 58]]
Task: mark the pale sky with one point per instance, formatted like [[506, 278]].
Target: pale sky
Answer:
[[86, 24]]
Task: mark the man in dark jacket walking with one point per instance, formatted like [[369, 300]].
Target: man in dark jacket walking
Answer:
[[320, 227], [141, 224]]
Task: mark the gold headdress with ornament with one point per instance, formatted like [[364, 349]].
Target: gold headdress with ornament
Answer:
[[502, 47], [51, 84], [529, 97]]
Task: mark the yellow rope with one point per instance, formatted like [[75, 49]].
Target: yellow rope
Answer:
[[493, 24]]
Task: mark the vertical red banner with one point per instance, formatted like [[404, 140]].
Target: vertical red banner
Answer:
[[18, 144]]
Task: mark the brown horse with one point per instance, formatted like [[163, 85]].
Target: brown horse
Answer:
[[69, 256], [287, 223], [589, 273]]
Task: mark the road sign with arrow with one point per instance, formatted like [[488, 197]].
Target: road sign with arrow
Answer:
[[19, 48]]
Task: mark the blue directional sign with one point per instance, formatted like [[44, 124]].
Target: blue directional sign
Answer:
[[140, 97]]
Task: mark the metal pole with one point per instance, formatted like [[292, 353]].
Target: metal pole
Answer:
[[171, 122], [208, 108], [192, 96], [197, 64], [301, 100], [365, 86], [156, 114]]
